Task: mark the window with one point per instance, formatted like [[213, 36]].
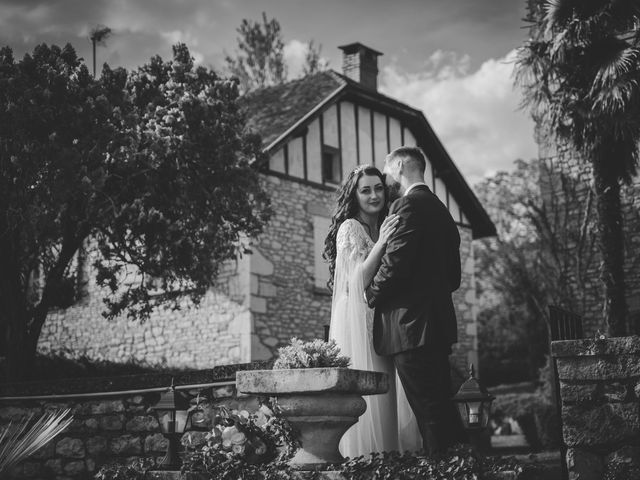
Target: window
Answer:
[[321, 268], [331, 165]]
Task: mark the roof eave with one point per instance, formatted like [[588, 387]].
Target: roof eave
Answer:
[[302, 121]]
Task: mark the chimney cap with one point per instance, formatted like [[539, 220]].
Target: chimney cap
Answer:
[[356, 47]]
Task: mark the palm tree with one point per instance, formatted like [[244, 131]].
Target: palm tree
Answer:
[[19, 440], [98, 36], [580, 71]]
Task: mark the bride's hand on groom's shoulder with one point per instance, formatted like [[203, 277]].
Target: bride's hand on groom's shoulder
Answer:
[[387, 228]]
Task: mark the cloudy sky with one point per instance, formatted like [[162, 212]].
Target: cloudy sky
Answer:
[[451, 58]]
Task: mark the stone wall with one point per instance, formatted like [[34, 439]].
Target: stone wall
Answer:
[[214, 333], [464, 299], [284, 299], [110, 426], [588, 291], [600, 395]]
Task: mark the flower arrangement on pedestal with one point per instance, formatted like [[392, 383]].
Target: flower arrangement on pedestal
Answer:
[[312, 354], [243, 445]]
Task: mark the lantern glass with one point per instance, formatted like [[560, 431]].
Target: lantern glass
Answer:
[[173, 421], [181, 420], [166, 420], [464, 416], [474, 410], [474, 413], [485, 412]]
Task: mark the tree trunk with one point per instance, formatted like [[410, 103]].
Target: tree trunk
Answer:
[[20, 359], [18, 363], [611, 243]]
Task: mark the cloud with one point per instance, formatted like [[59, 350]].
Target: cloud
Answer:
[[295, 53], [475, 113]]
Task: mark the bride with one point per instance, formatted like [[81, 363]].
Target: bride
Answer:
[[354, 247]]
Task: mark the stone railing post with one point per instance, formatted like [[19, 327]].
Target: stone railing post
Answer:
[[600, 391]]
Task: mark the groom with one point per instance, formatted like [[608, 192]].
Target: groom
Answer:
[[415, 321]]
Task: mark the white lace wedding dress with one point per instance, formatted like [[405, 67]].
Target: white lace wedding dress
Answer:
[[388, 423]]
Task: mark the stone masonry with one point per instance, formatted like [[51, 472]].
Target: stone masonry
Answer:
[[213, 333], [464, 300], [110, 428], [592, 291], [600, 397], [285, 302]]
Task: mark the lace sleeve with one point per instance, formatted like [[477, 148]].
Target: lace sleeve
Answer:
[[351, 251], [349, 311], [350, 243]]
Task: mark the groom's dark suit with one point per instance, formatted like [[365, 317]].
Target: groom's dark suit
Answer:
[[414, 318]]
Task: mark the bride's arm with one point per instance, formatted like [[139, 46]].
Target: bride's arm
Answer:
[[372, 262]]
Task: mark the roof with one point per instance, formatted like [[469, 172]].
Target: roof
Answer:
[[272, 110], [280, 111]]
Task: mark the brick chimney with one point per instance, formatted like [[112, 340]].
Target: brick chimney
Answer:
[[360, 63]]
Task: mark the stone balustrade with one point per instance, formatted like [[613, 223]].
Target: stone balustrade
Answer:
[[112, 417], [600, 395]]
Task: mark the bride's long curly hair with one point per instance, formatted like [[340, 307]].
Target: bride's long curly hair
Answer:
[[347, 207]]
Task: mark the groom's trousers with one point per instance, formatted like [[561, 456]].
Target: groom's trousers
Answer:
[[426, 378]]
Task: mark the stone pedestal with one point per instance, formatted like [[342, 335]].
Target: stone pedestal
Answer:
[[320, 403], [600, 395]]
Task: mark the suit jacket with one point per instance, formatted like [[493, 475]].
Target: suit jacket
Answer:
[[411, 292]]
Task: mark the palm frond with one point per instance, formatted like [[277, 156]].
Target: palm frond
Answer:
[[19, 440], [616, 98], [558, 12], [616, 59], [624, 14]]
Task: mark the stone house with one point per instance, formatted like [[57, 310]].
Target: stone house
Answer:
[[315, 130], [578, 201]]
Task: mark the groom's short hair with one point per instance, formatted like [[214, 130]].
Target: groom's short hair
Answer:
[[413, 158]]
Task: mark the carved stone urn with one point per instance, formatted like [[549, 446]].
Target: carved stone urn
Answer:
[[320, 403]]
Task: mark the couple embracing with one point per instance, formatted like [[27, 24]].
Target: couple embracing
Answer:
[[393, 251]]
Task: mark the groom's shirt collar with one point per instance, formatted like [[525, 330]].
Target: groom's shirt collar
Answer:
[[412, 186]]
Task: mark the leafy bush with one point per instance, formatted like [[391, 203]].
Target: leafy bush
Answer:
[[618, 470], [243, 445], [536, 416], [508, 352], [136, 470], [313, 354], [459, 463]]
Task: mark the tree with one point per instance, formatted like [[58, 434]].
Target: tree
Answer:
[[543, 254], [151, 169], [313, 62], [98, 36], [580, 72], [260, 59]]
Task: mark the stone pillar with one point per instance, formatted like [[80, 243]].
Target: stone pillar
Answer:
[[600, 391]]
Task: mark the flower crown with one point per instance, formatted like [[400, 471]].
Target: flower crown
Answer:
[[360, 168]]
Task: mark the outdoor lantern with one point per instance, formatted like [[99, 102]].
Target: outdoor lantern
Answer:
[[473, 402], [173, 413]]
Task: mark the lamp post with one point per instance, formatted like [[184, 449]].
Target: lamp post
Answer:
[[172, 411], [474, 406]]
